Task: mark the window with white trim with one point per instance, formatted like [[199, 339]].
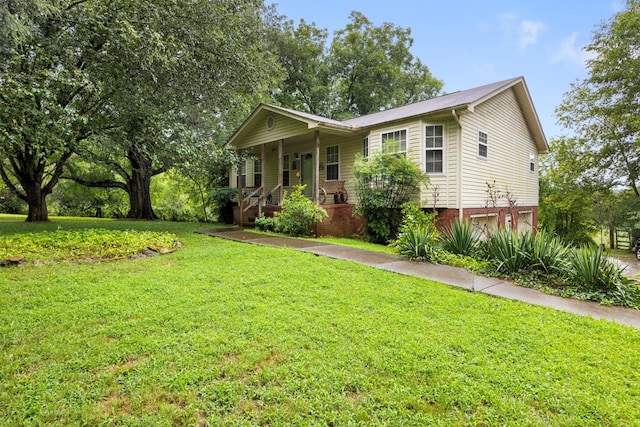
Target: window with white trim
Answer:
[[483, 144], [333, 163], [434, 146], [257, 172], [285, 170], [365, 147], [395, 142]]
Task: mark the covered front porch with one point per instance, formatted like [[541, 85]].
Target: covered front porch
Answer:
[[283, 149]]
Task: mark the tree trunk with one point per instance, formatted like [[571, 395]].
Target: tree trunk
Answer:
[[36, 199], [140, 195]]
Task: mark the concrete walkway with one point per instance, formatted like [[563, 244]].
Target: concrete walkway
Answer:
[[453, 276]]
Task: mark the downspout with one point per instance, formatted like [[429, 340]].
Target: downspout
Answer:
[[459, 171]]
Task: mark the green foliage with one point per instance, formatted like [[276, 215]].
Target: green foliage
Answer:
[[601, 110], [507, 251], [171, 198], [9, 202], [72, 199], [126, 85], [223, 200], [577, 272], [417, 243], [595, 276], [418, 236], [299, 215], [84, 245], [567, 199], [460, 238], [339, 80], [264, 223], [413, 217], [549, 253], [384, 182], [367, 60]]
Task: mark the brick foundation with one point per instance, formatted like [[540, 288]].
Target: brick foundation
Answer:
[[447, 216], [341, 222]]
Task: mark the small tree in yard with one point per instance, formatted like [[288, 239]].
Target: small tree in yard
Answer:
[[384, 182]]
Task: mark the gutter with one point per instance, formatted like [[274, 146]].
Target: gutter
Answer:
[[459, 174]]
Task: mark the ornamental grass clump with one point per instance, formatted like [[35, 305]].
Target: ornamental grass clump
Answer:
[[504, 252], [549, 253], [460, 238], [595, 276], [418, 238]]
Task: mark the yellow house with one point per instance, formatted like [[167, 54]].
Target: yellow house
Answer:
[[465, 141]]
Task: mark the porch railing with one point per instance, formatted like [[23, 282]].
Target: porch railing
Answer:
[[252, 199], [255, 198]]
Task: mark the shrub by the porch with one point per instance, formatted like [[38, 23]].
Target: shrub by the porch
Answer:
[[299, 215], [384, 182]]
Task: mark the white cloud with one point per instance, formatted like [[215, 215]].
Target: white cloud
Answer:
[[570, 53], [528, 32]]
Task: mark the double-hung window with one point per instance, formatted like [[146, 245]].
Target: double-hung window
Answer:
[[285, 170], [365, 147], [483, 144], [333, 162], [395, 142], [257, 173], [434, 143]]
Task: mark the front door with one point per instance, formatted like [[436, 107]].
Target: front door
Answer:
[[307, 174]]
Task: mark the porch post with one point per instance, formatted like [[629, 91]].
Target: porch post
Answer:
[[280, 172], [263, 171], [316, 190], [239, 183]]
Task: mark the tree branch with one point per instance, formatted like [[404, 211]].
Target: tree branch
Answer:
[[99, 184], [11, 186]]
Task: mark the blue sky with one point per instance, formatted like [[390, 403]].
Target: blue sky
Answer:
[[471, 43]]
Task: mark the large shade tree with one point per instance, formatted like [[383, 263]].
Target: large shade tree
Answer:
[[47, 100], [204, 59], [122, 84], [603, 110]]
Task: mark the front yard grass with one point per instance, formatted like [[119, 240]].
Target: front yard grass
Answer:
[[225, 333]]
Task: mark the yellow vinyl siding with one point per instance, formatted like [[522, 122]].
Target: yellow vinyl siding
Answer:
[[284, 128], [510, 145]]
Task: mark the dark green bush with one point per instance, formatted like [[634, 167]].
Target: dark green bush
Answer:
[[384, 182], [264, 223], [299, 215], [223, 200]]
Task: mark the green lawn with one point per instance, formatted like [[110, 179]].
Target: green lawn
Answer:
[[224, 333]]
